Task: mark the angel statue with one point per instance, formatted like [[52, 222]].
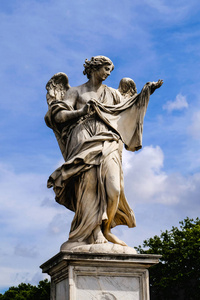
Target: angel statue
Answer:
[[92, 122]]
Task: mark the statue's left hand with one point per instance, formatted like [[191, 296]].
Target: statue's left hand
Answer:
[[159, 83]]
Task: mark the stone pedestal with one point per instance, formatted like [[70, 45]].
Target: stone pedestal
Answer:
[[99, 276]]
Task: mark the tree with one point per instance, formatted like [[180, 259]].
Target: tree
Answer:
[[28, 292], [177, 276]]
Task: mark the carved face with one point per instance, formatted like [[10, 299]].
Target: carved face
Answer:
[[103, 72]]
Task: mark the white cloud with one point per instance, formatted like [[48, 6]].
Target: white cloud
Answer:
[[11, 276], [28, 208], [22, 197], [28, 218], [178, 104], [146, 182], [24, 251], [159, 199]]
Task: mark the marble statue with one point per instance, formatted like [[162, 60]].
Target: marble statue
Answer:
[[92, 122]]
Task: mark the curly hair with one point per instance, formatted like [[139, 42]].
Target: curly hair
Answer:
[[96, 63]]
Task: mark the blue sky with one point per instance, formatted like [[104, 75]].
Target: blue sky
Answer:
[[146, 40]]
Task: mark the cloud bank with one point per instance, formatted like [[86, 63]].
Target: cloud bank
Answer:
[[179, 104]]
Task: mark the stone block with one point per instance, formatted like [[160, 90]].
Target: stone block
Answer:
[[99, 276]]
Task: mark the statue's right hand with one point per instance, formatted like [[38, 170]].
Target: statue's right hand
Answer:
[[86, 109]]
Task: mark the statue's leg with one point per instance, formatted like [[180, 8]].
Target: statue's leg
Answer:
[[98, 236], [86, 225], [113, 193]]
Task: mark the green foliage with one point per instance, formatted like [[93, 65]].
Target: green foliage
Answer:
[[177, 276], [28, 292]]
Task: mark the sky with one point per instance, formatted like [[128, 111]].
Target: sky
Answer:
[[147, 40]]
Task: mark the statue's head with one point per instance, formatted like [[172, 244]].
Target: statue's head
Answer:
[[95, 64]]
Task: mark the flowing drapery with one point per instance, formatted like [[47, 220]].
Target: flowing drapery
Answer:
[[87, 145]]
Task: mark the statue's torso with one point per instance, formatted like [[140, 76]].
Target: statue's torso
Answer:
[[77, 97]]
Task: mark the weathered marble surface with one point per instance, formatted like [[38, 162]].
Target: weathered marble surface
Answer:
[[105, 287], [92, 122], [91, 276], [99, 248]]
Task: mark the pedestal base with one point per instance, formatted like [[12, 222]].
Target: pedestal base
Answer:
[[99, 276]]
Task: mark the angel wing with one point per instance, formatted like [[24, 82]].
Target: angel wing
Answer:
[[127, 88], [56, 87]]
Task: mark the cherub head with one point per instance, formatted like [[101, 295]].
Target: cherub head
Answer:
[[95, 64], [127, 87]]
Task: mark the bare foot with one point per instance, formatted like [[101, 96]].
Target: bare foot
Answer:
[[98, 236], [113, 239]]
